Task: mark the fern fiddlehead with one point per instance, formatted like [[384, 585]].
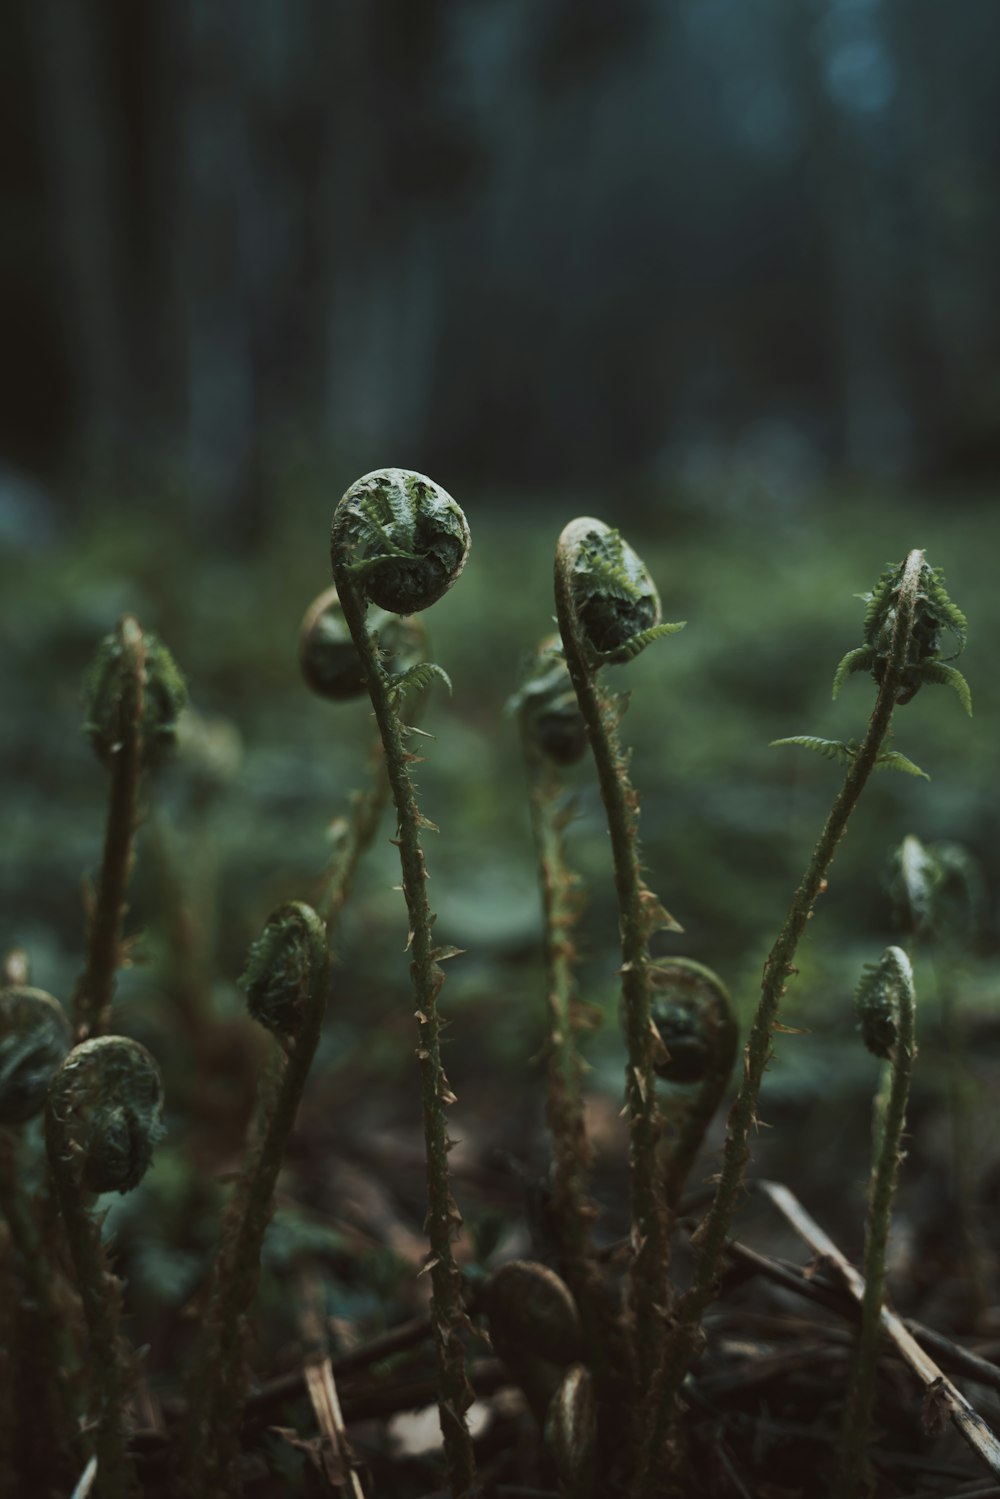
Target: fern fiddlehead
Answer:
[[696, 1027], [285, 985], [608, 610], [134, 694], [886, 1007], [103, 1116], [903, 625], [399, 541]]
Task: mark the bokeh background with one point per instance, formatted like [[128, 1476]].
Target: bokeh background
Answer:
[[723, 272]]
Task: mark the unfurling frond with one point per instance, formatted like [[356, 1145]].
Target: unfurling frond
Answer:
[[893, 760], [419, 677], [934, 614], [631, 648], [831, 749], [948, 676], [860, 659]]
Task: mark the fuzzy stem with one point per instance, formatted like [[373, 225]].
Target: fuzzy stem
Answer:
[[564, 1112], [443, 1220], [649, 1218], [218, 1391], [100, 1294], [888, 1138], [95, 987], [710, 1238]]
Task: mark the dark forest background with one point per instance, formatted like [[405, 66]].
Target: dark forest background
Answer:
[[539, 242]]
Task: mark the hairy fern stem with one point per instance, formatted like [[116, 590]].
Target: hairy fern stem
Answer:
[[685, 1339], [443, 1219], [95, 988], [217, 1391], [639, 915], [895, 976]]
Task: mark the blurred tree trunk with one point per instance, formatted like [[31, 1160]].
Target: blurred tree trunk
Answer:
[[78, 131]]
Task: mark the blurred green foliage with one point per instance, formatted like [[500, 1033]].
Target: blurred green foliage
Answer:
[[240, 819]]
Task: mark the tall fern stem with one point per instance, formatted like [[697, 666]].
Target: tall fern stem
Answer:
[[289, 985], [890, 988], [685, 1340], [639, 915], [95, 988], [443, 1219], [571, 1210]]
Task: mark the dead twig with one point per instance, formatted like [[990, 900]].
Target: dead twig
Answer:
[[940, 1393]]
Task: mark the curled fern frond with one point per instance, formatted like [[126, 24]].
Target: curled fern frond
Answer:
[[328, 656], [547, 705], [884, 986], [613, 594], [401, 537], [830, 749], [934, 615], [694, 1020], [133, 685], [282, 966], [104, 1114]]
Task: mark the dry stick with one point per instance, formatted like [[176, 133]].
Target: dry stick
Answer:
[[684, 1341], [969, 1423], [336, 1455], [95, 988], [442, 1217]]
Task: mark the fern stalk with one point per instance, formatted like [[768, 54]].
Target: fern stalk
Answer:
[[571, 1210], [217, 1392], [639, 915], [95, 988], [894, 975], [684, 1343], [443, 1219], [100, 1295]]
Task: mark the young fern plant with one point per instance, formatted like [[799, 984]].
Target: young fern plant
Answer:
[[907, 613], [886, 1006], [103, 1116], [134, 694], [553, 735], [399, 542], [286, 985], [608, 610]]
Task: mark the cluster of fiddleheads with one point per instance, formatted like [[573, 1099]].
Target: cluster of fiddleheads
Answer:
[[600, 1372]]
